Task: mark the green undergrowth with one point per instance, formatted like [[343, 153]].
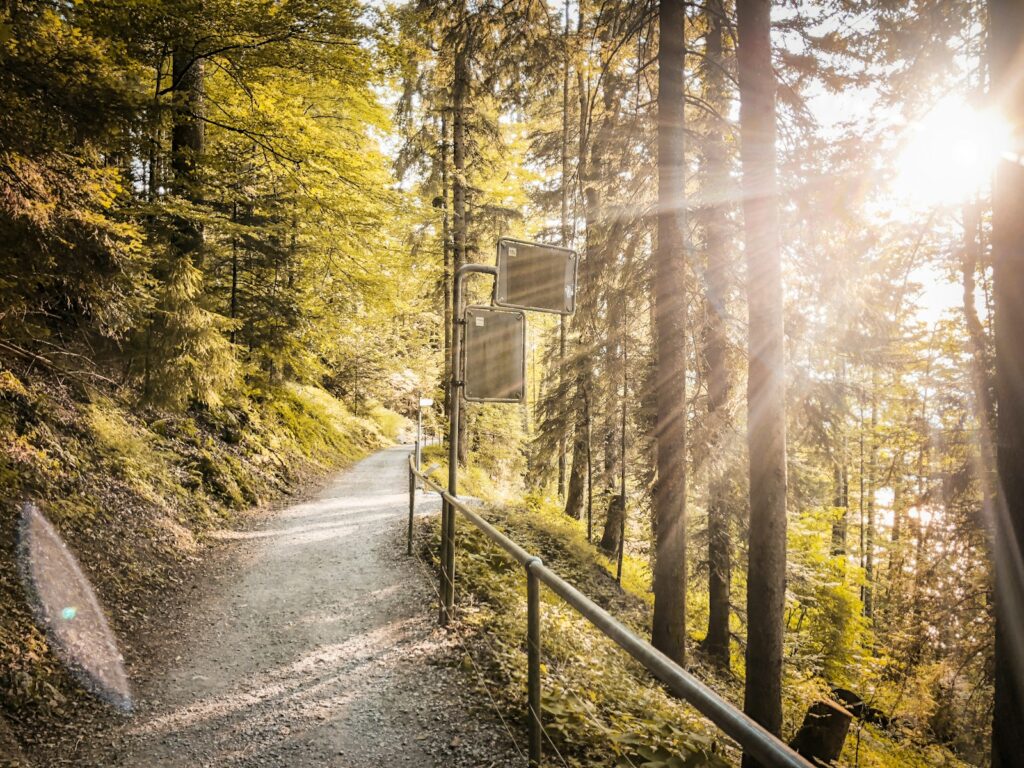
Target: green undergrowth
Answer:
[[135, 492], [600, 706]]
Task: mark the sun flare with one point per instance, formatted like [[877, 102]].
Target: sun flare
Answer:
[[950, 154]]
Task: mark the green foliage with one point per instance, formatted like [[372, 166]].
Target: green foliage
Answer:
[[187, 355], [324, 430], [828, 634], [187, 233], [390, 424], [71, 258]]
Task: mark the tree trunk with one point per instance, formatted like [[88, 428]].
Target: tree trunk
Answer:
[[581, 474], [766, 394], [716, 343], [1006, 19], [895, 597], [984, 407], [622, 440], [561, 437], [565, 227], [823, 733], [590, 470], [611, 537], [447, 260], [841, 502], [234, 273], [841, 477], [460, 96], [669, 508], [188, 141], [578, 472], [861, 488]]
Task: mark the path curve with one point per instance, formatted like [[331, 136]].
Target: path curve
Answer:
[[320, 651]]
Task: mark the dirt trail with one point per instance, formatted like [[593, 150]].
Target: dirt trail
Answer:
[[319, 651]]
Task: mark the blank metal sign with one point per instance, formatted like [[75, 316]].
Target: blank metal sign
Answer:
[[535, 276], [494, 364]]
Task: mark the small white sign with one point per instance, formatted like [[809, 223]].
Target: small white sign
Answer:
[[479, 320]]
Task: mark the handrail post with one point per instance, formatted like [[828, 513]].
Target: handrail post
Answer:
[[448, 568], [533, 661], [412, 506], [419, 432], [442, 610]]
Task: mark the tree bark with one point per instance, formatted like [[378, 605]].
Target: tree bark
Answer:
[[869, 535], [233, 307], [622, 441], [823, 733], [984, 407], [611, 537], [766, 413], [580, 468], [578, 472], [460, 96], [565, 226], [669, 508], [446, 251], [841, 502], [1006, 18], [590, 470], [188, 140], [716, 344], [581, 475]]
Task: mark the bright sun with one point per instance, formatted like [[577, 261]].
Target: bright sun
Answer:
[[949, 154]]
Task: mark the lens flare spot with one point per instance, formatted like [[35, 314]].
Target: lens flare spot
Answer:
[[66, 607]]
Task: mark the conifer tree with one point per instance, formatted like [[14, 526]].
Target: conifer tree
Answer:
[[714, 70], [766, 419], [1006, 26], [669, 632]]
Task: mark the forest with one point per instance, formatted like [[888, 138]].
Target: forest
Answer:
[[787, 415]]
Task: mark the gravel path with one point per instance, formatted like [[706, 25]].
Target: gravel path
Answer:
[[321, 650]]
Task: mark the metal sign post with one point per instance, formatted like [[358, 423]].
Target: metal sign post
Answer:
[[528, 276], [447, 514]]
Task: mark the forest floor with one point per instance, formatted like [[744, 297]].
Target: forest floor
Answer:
[[312, 642]]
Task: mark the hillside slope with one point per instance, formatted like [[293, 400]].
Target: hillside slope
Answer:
[[600, 706], [135, 492]]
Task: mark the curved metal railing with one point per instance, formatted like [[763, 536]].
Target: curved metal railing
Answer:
[[759, 743]]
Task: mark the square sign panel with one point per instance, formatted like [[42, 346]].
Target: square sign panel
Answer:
[[536, 277], [494, 361]]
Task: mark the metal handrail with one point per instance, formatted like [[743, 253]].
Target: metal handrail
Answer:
[[759, 743]]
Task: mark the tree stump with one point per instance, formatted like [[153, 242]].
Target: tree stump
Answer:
[[823, 733]]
